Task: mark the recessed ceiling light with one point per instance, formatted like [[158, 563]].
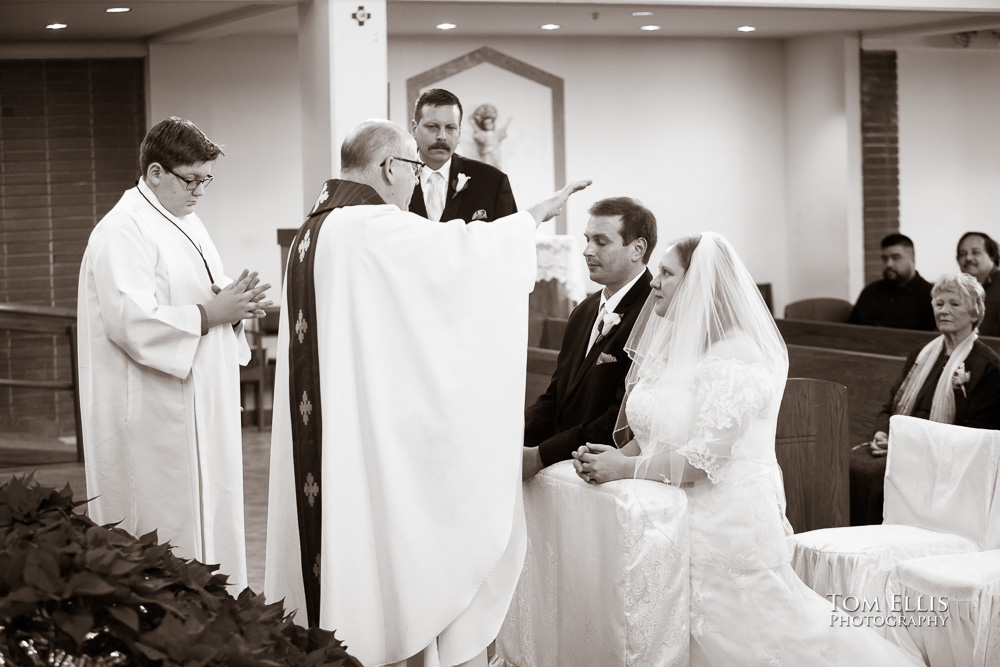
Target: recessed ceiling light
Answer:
[[117, 10], [446, 26], [746, 28], [649, 27], [550, 26], [56, 26], [642, 13]]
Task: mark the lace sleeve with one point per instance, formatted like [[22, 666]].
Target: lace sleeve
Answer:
[[729, 393]]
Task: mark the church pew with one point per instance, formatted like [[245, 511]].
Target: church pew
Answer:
[[857, 338], [810, 445], [868, 378], [833, 335]]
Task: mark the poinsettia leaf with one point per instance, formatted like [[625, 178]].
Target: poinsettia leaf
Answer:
[[88, 583], [41, 571], [76, 624], [126, 616], [150, 652]]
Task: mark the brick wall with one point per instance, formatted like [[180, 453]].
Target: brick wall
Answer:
[[69, 144], [880, 154]]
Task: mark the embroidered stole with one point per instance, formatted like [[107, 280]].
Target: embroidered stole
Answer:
[[304, 379]]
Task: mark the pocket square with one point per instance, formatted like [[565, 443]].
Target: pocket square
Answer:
[[479, 215], [606, 358]]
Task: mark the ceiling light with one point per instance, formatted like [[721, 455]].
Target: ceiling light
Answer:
[[56, 26], [117, 10], [746, 28], [550, 26], [642, 13], [649, 27], [446, 26]]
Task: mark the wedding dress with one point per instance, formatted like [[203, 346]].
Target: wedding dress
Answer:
[[702, 405]]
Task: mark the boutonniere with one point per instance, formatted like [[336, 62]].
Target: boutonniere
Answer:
[[609, 322], [461, 182], [960, 377]]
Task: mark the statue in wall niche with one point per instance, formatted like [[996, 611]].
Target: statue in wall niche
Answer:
[[486, 135]]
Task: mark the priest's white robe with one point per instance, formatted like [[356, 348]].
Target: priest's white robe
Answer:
[[422, 340], [160, 402]]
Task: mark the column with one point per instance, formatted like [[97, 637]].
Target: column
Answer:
[[343, 65]]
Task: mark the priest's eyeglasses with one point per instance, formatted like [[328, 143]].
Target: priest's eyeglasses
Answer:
[[416, 164], [191, 184]]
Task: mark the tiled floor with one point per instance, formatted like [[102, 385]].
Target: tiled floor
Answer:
[[256, 460]]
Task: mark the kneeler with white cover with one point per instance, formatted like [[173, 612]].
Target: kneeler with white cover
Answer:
[[605, 579], [961, 589], [941, 497]]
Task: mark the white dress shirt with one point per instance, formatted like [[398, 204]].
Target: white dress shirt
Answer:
[[435, 190]]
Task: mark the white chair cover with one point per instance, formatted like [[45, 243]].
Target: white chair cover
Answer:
[[969, 586], [940, 492], [588, 596], [949, 485]]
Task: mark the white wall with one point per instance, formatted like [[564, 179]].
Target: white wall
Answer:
[[693, 128], [823, 168], [949, 150], [700, 130], [243, 92]]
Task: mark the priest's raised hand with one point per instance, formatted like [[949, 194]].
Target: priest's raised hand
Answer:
[[553, 205]]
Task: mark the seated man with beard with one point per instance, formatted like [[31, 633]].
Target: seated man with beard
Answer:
[[902, 299]]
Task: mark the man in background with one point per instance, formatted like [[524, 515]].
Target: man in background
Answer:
[[450, 185], [394, 510], [583, 399], [902, 299], [979, 256]]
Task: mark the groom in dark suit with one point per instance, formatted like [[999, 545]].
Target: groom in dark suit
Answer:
[[582, 402], [452, 186]]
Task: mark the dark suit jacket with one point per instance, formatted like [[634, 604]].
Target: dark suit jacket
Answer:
[[488, 190], [990, 326], [978, 407], [582, 402], [884, 304]]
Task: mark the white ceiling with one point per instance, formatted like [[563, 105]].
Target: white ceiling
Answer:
[[182, 20]]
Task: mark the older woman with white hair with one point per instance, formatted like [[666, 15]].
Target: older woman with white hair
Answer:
[[954, 379]]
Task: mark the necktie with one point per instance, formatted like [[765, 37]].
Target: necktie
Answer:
[[596, 331], [434, 198]]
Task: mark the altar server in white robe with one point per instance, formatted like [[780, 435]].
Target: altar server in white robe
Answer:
[[394, 512], [160, 343]]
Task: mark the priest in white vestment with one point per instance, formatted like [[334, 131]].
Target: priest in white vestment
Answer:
[[394, 512], [160, 343]]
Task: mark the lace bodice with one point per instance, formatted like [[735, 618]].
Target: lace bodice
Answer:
[[706, 415]]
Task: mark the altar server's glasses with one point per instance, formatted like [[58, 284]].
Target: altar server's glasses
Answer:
[[191, 184]]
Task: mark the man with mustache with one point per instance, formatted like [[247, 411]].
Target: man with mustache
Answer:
[[902, 299], [452, 186], [978, 256], [582, 402]]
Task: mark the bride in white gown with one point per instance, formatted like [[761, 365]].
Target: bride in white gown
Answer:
[[708, 372]]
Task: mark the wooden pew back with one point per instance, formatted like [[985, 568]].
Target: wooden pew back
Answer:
[[810, 447], [857, 338], [868, 378]]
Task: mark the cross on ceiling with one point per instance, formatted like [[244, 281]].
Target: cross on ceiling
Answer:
[[361, 15]]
